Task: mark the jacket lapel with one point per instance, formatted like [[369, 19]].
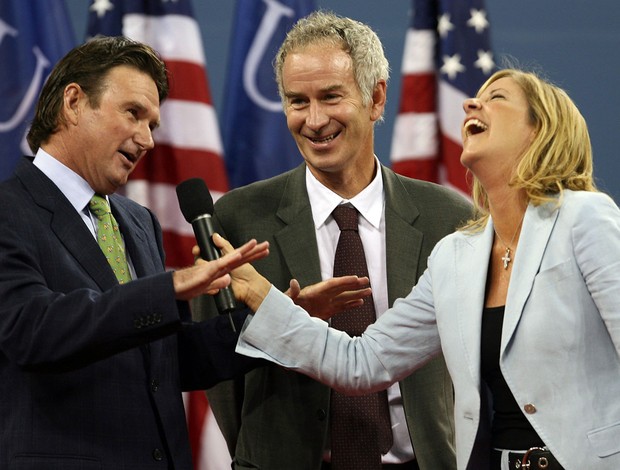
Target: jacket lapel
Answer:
[[297, 240], [403, 241], [537, 226], [136, 240], [67, 225], [473, 252], [471, 267]]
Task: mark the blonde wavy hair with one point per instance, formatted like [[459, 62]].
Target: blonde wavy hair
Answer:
[[560, 156]]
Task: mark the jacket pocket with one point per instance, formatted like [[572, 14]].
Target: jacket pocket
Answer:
[[557, 272], [606, 440], [240, 464], [53, 462]]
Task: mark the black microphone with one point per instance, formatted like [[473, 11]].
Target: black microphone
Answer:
[[197, 207]]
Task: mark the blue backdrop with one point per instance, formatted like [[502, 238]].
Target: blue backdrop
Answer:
[[576, 43]]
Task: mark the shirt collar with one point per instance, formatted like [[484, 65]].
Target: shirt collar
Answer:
[[73, 186], [368, 202]]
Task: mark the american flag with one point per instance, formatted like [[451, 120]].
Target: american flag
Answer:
[[187, 145], [447, 56]]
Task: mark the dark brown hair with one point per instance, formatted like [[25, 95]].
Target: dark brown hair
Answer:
[[87, 65]]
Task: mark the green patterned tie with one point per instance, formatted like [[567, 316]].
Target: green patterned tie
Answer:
[[109, 238]]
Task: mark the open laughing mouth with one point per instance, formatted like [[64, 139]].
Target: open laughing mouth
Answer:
[[475, 126]]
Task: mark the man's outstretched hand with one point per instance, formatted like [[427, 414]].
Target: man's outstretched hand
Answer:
[[327, 298], [208, 277]]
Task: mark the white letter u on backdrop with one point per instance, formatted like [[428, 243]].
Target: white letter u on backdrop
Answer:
[[275, 11]]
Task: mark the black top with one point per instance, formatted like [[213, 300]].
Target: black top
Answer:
[[510, 427]]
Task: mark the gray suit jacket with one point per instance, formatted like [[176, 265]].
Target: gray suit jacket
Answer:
[[560, 341], [278, 419]]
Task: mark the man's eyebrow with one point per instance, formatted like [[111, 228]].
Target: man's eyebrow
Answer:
[[292, 94], [327, 89], [332, 88]]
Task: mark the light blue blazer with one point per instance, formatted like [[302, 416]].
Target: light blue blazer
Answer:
[[560, 347]]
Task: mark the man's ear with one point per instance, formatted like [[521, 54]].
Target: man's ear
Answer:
[[379, 96], [73, 100]]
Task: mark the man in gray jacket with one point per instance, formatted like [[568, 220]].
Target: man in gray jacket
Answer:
[[332, 76]]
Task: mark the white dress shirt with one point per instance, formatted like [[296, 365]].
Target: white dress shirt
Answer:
[[370, 203]]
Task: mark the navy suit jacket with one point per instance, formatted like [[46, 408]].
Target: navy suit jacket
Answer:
[[91, 372]]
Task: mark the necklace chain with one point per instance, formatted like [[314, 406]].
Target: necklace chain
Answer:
[[506, 259]]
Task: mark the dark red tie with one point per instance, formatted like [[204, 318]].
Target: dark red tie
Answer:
[[360, 426]]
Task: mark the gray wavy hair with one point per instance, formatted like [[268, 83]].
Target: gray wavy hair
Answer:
[[356, 39]]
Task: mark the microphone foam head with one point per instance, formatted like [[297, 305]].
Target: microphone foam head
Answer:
[[194, 199]]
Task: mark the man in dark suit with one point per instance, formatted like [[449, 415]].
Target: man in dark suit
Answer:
[[91, 370], [332, 76]]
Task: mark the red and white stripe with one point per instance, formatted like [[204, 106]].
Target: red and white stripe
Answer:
[[187, 145], [188, 142], [426, 142]]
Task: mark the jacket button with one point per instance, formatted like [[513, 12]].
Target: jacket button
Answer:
[[529, 409], [154, 385], [158, 455], [321, 414]]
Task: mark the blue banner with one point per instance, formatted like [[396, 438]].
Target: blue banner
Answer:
[[257, 143], [34, 35]]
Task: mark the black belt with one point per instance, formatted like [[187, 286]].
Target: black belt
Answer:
[[411, 465], [536, 458]]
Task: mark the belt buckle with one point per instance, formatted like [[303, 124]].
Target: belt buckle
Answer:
[[525, 463]]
